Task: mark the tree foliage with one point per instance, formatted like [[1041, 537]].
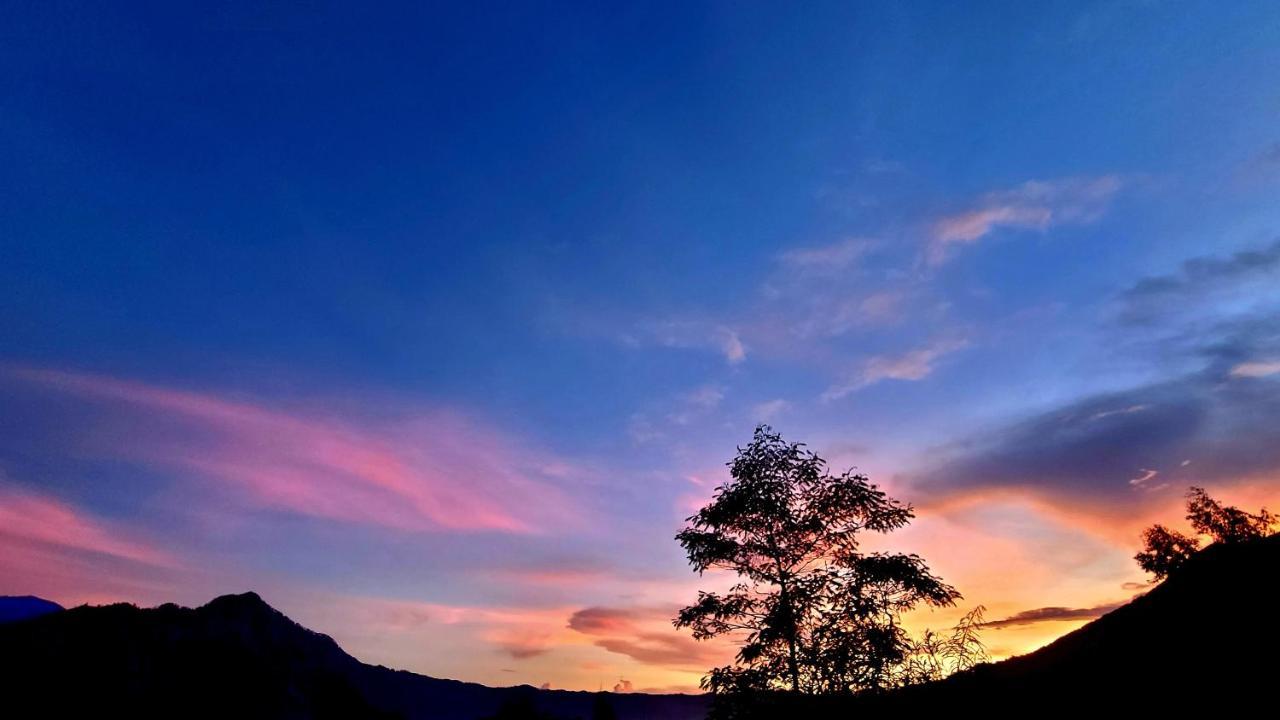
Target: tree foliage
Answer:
[[1165, 550], [935, 655], [813, 611]]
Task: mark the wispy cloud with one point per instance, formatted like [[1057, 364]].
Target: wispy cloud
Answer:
[[1264, 368], [691, 335], [1050, 614], [826, 259], [914, 365], [36, 518], [1034, 205], [769, 410], [435, 472]]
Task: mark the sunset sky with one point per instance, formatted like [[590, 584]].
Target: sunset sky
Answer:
[[432, 325]]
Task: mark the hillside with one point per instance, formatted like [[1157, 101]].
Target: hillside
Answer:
[[239, 657], [1206, 636]]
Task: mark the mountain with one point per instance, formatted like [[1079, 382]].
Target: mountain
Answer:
[[22, 607], [239, 657]]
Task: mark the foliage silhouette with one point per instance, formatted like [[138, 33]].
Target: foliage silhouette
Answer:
[[815, 614], [1165, 551], [936, 656]]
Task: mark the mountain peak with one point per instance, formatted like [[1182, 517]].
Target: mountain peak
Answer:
[[21, 607], [246, 601]]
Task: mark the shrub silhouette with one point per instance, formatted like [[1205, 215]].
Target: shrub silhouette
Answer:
[[816, 615], [1165, 551]]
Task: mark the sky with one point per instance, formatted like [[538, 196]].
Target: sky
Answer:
[[432, 323]]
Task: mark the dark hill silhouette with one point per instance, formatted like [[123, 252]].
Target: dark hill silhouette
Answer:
[[1205, 638], [239, 657], [22, 607]]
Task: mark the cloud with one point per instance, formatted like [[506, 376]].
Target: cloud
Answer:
[[697, 404], [662, 649], [603, 620], [645, 635], [521, 643], [623, 686], [1047, 614], [28, 517], [769, 410], [1034, 205], [731, 345], [1144, 476], [1247, 274], [825, 259], [433, 472], [693, 335], [1256, 369], [911, 366], [1086, 452]]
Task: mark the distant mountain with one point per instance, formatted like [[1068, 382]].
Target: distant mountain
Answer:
[[238, 657], [22, 607]]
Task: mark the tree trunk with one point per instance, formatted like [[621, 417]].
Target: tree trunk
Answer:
[[793, 663]]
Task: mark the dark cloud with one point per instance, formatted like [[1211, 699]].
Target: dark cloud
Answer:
[[1222, 424], [1215, 325], [1046, 614], [522, 652], [1152, 297], [603, 620]]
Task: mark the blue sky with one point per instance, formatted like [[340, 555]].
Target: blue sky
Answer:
[[547, 265]]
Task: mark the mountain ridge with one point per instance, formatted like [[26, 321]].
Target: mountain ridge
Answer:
[[241, 657]]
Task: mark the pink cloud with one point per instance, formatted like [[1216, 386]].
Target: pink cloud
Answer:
[[914, 365], [645, 635], [27, 517], [827, 259], [436, 472], [1034, 205]]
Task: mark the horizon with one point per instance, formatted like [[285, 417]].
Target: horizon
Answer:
[[432, 327]]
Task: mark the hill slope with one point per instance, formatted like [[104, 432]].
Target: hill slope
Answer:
[[238, 657], [1207, 636]]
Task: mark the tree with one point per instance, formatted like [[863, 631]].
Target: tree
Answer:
[[935, 656], [814, 613], [1165, 550]]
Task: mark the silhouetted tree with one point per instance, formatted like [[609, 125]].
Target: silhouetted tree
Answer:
[[935, 656], [815, 613], [1165, 550]]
